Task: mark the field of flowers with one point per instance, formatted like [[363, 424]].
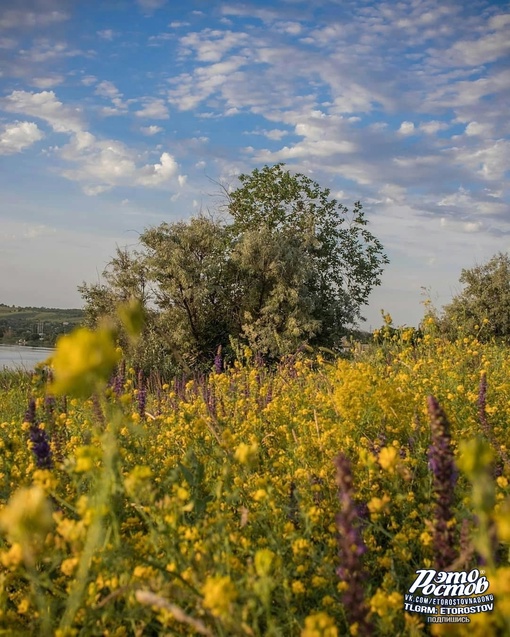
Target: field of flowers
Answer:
[[297, 501]]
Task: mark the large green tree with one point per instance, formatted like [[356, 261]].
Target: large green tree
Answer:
[[484, 303], [288, 266]]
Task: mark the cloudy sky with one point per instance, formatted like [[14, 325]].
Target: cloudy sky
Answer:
[[121, 114]]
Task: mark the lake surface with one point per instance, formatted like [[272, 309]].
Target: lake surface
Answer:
[[22, 357]]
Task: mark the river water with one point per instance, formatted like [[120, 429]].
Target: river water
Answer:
[[22, 356]]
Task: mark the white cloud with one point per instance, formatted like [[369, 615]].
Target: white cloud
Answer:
[[48, 81], [45, 106], [275, 133], [406, 128], [99, 164], [153, 109], [487, 48], [291, 28], [500, 21], [474, 128], [46, 50], [88, 80], [469, 227], [156, 174], [103, 164], [211, 45], [108, 90], [17, 136], [432, 127], [151, 130]]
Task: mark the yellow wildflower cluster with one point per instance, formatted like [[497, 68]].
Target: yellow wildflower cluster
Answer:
[[217, 502]]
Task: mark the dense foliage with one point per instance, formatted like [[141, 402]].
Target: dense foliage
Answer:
[[252, 502], [288, 267], [484, 301]]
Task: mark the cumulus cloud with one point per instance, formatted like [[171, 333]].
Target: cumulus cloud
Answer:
[[406, 128], [104, 163], [45, 106], [474, 128], [17, 136], [98, 164], [155, 174]]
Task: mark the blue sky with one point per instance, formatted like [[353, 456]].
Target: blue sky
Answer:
[[121, 114]]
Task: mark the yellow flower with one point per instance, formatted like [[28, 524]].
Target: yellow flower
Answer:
[[219, 593], [13, 557], [319, 625], [388, 458], [300, 546], [246, 454], [69, 565], [376, 505], [86, 458], [425, 538], [27, 516], [298, 588], [137, 479], [259, 495], [263, 562], [83, 361]]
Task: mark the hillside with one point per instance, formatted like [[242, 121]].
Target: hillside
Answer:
[[36, 325]]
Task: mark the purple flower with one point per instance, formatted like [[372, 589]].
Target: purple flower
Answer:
[[351, 548], [218, 361], [39, 439], [444, 475]]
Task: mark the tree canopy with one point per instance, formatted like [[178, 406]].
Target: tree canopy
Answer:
[[289, 266], [484, 302]]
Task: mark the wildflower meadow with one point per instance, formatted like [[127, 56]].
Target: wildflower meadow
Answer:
[[293, 500]]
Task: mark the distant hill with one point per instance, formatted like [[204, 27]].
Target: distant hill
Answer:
[[36, 325]]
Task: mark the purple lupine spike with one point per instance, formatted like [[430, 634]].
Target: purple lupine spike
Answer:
[[49, 404], [30, 412], [41, 447], [351, 547], [218, 361], [142, 394], [120, 378], [39, 439], [444, 474]]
